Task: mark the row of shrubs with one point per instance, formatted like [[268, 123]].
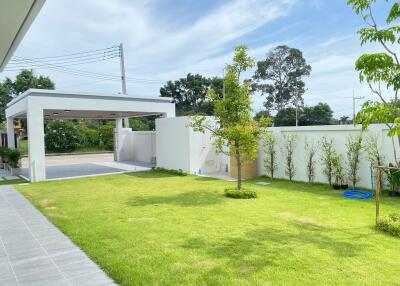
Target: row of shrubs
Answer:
[[66, 136], [171, 171], [10, 156]]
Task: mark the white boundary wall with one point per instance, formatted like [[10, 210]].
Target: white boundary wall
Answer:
[[179, 147], [136, 145], [339, 134]]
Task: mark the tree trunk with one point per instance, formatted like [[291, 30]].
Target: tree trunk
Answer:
[[239, 170]]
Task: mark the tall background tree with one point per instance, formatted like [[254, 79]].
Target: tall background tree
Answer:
[[236, 133], [320, 114], [280, 78], [25, 80], [381, 70], [190, 93]]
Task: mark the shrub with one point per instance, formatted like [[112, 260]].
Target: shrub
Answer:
[[288, 150], [106, 135], [310, 149], [390, 224], [270, 161], [353, 151], [240, 194], [91, 137], [327, 158], [3, 154], [13, 157], [171, 171], [62, 135]]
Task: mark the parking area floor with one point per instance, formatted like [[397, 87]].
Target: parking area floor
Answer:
[[76, 166]]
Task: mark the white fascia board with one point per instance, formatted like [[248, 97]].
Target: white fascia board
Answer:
[[26, 23]]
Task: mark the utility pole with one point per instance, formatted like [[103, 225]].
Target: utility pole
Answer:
[[123, 78], [354, 106]]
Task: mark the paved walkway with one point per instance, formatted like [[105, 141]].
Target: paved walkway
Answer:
[[34, 252]]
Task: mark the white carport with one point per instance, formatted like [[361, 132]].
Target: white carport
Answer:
[[35, 105]]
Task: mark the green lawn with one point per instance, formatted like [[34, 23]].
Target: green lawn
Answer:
[[155, 229]]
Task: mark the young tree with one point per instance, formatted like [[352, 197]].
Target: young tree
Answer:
[[270, 160], [353, 151], [327, 159], [236, 133], [190, 93], [288, 150], [310, 149], [380, 70], [280, 78]]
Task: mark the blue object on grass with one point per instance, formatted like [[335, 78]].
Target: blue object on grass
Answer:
[[358, 195]]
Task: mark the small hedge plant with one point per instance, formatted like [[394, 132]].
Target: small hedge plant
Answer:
[[171, 172], [240, 194], [390, 224]]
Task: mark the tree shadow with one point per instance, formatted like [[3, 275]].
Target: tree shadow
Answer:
[[261, 248], [188, 199]]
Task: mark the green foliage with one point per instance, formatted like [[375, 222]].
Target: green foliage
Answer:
[[142, 124], [289, 145], [3, 154], [268, 142], [190, 93], [390, 224], [320, 114], [373, 151], [13, 157], [280, 77], [380, 70], [354, 149], [240, 194], [393, 175], [106, 135], [327, 158], [235, 131], [62, 136], [376, 112], [171, 171], [90, 136], [25, 80], [338, 169], [310, 150]]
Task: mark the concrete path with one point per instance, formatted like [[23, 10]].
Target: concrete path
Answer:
[[34, 252]]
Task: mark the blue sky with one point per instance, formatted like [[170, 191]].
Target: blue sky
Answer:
[[165, 40]]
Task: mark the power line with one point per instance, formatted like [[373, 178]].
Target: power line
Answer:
[[61, 63], [79, 53]]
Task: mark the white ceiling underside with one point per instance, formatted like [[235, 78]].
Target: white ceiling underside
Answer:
[[16, 16]]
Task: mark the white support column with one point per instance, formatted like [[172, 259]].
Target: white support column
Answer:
[[36, 147], [126, 122], [117, 138], [10, 133]]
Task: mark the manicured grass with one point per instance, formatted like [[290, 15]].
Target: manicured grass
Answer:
[[156, 229]]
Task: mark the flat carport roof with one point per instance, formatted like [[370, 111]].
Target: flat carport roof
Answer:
[[36, 104]]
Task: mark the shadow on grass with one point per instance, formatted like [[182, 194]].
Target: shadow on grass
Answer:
[[189, 199], [261, 248]]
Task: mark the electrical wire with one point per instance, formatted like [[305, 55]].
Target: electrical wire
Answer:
[[61, 64]]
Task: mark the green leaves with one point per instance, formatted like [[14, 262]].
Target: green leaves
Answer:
[[360, 6], [376, 112], [394, 13]]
